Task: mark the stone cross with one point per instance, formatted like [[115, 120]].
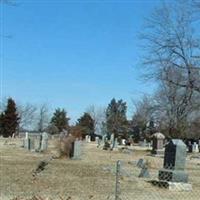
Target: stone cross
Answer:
[[174, 162]]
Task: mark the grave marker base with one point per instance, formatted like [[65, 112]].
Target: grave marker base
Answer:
[[172, 186], [173, 175]]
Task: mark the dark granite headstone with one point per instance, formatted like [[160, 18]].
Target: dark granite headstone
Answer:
[[174, 162]]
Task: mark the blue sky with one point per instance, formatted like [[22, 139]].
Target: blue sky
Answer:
[[73, 54]]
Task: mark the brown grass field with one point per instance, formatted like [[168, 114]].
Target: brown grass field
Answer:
[[92, 177]]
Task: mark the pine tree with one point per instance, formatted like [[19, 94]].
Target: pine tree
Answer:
[[1, 123], [9, 119], [60, 119], [86, 123], [116, 120]]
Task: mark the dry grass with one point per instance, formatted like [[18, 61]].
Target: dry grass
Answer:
[[65, 179]]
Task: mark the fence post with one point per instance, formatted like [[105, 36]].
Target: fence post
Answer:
[[117, 181]]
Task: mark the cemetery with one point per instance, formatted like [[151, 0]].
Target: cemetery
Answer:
[[89, 172], [100, 100]]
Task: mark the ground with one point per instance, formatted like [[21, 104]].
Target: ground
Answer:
[[91, 177]]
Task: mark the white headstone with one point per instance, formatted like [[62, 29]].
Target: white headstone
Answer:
[[77, 149], [97, 139], [27, 141], [195, 147]]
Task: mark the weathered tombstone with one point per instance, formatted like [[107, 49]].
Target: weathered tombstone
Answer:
[[104, 139], [195, 148], [44, 143], [97, 139], [116, 143], [149, 145], [62, 135], [31, 144], [158, 143], [144, 173], [27, 141], [174, 162], [141, 163], [98, 142], [190, 149], [38, 142], [112, 141], [144, 144], [112, 138], [76, 150], [88, 138]]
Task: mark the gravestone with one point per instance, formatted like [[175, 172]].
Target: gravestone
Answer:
[[141, 163], [144, 173], [112, 141], [27, 141], [38, 143], [97, 140], [190, 148], [44, 143], [174, 162], [116, 143], [76, 150], [195, 148], [88, 138], [32, 144], [149, 145], [158, 143]]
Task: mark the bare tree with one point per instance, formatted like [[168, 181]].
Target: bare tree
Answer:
[[43, 118], [144, 112], [172, 57], [98, 115], [171, 43], [27, 114]]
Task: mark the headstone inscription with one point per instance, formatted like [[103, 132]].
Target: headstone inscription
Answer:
[[174, 162]]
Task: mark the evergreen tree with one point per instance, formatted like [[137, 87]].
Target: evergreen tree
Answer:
[[86, 123], [116, 120], [1, 123], [9, 120], [60, 119]]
